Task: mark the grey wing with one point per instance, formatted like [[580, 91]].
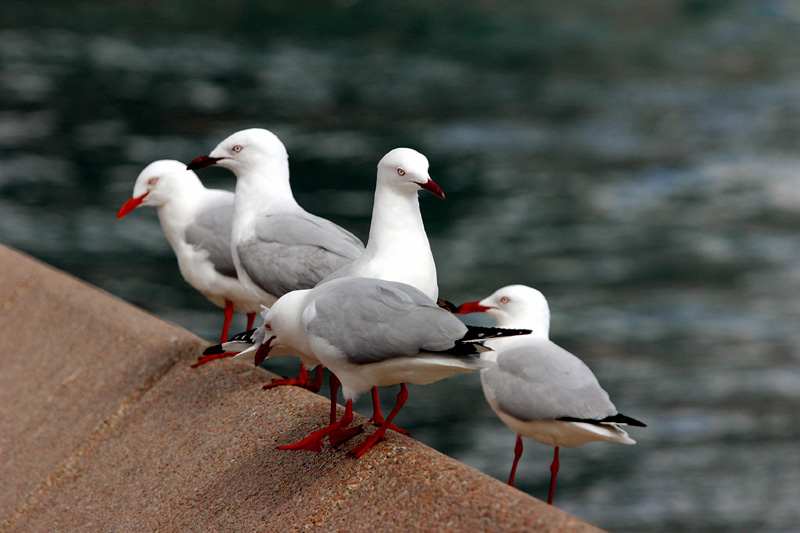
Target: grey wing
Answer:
[[347, 271], [292, 252], [373, 320], [541, 380], [211, 231]]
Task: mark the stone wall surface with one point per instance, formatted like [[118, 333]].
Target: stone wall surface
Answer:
[[104, 426]]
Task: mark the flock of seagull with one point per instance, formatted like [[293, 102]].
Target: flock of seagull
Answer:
[[372, 314]]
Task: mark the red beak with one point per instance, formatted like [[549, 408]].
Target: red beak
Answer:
[[263, 351], [472, 307], [202, 162], [130, 205], [432, 187]]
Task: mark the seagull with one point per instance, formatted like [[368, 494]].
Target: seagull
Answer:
[[277, 246], [197, 224], [538, 389], [397, 248], [371, 332]]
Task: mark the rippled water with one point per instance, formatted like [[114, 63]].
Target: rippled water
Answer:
[[636, 162]]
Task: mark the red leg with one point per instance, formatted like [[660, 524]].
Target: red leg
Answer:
[[343, 434], [316, 384], [228, 317], [314, 441], [251, 317], [207, 358], [517, 455], [303, 375], [379, 435], [377, 416], [334, 385], [553, 473], [300, 381], [340, 435]]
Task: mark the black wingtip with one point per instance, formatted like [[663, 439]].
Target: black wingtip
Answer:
[[469, 350], [622, 419], [614, 419], [213, 350], [480, 333], [245, 336]]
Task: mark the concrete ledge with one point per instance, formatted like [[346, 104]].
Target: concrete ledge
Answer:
[[104, 426]]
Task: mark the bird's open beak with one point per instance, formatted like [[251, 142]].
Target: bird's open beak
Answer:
[[431, 186], [472, 307], [202, 162], [131, 204], [263, 351]]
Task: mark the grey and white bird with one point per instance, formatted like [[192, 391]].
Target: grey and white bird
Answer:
[[397, 249], [197, 223], [537, 388], [277, 246], [371, 332]]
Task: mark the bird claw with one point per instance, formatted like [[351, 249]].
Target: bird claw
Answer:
[[208, 358]]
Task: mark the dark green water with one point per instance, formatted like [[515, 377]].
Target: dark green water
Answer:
[[637, 162]]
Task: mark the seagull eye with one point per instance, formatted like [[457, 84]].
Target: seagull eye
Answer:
[[152, 181], [237, 148], [401, 172], [504, 300]]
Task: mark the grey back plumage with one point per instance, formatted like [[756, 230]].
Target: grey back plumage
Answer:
[[295, 251], [211, 231], [372, 320], [540, 380], [347, 271]]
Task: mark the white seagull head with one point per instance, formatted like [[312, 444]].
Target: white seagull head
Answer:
[[282, 326], [244, 152], [158, 183], [515, 306], [406, 170]]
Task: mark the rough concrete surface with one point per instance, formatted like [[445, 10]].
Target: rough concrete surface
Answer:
[[104, 426]]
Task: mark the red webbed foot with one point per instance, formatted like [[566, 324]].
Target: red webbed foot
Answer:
[[300, 381], [312, 443], [380, 421], [208, 358], [296, 382], [341, 435], [380, 434], [368, 443], [336, 431]]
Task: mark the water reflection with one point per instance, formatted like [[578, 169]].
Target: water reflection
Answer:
[[636, 163]]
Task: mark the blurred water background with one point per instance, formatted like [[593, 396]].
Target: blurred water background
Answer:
[[636, 161]]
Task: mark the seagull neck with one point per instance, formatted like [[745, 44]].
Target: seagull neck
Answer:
[[172, 226], [293, 341], [175, 214], [396, 223], [257, 195]]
